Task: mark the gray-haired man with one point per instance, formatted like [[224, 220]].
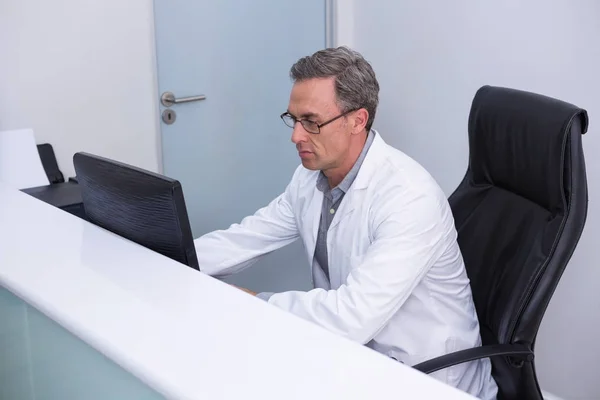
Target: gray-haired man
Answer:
[[379, 233]]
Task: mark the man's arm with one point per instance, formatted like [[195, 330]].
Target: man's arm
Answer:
[[406, 244], [225, 252]]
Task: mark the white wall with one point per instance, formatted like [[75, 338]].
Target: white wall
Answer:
[[431, 57], [81, 74]]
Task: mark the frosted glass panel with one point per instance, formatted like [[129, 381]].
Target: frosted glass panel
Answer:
[[40, 360]]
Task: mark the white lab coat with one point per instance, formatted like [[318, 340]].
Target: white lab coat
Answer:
[[398, 282]]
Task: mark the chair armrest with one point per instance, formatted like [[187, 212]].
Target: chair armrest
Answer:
[[519, 351]]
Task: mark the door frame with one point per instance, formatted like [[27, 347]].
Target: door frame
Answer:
[[156, 100]]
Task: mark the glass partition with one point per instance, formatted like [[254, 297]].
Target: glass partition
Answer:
[[40, 360]]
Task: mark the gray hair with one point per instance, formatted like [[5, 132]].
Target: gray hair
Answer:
[[355, 83]]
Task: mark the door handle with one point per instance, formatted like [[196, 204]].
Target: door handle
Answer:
[[168, 99]]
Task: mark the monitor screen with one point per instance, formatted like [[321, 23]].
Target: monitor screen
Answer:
[[139, 205]]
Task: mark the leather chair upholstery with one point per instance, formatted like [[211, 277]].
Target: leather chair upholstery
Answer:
[[519, 211]]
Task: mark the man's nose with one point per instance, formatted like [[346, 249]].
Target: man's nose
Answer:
[[299, 133]]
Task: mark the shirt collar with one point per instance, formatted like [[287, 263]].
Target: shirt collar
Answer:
[[344, 185]]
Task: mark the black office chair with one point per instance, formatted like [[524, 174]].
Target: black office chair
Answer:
[[519, 211]]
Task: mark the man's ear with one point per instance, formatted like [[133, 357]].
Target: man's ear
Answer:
[[361, 117]]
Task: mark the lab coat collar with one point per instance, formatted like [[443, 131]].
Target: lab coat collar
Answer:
[[365, 175], [370, 165], [368, 169]]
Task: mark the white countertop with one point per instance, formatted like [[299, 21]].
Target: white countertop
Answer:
[[186, 335]]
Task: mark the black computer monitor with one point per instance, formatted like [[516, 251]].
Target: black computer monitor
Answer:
[[139, 205]]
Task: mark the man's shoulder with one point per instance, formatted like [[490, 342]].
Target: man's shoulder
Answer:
[[400, 173], [402, 185]]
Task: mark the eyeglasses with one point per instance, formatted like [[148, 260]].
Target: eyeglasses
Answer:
[[308, 125]]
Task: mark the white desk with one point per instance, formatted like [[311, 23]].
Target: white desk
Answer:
[[186, 335]]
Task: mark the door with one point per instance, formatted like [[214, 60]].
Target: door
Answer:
[[228, 147]]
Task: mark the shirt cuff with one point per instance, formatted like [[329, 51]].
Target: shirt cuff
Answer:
[[265, 295]]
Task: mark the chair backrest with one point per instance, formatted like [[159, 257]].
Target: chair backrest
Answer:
[[519, 212]]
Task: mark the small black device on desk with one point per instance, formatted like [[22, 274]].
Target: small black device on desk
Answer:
[[61, 194], [64, 195]]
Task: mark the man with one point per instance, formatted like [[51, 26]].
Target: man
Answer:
[[379, 233]]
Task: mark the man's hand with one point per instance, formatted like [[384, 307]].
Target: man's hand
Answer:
[[245, 290]]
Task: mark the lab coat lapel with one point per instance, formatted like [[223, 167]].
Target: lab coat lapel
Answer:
[[365, 174], [311, 218], [346, 208]]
